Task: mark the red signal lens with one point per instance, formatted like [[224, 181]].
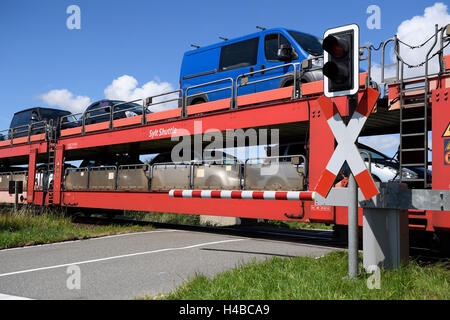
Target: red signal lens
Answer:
[[335, 46], [338, 51]]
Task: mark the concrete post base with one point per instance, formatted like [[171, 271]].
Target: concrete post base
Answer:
[[219, 221], [385, 238]]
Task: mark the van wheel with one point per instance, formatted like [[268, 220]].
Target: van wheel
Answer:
[[311, 76], [288, 83]]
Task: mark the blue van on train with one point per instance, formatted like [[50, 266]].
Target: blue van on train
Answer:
[[255, 52]]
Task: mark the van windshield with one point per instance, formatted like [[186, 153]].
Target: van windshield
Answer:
[[310, 44]]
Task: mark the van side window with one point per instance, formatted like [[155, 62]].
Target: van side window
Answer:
[[240, 54], [271, 44]]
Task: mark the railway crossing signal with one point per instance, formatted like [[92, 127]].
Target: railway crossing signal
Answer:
[[341, 61], [346, 149]]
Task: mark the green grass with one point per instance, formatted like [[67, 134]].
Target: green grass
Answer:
[[23, 228], [309, 278], [297, 224], [190, 219]]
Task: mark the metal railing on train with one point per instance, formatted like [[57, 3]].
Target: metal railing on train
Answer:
[[82, 119], [27, 131], [199, 174], [260, 173], [269, 173], [211, 174], [244, 78], [203, 93], [85, 118], [443, 34]]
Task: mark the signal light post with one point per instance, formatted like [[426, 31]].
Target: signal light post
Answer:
[[341, 78]]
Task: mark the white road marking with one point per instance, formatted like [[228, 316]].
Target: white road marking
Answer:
[[119, 257], [8, 297], [89, 239]]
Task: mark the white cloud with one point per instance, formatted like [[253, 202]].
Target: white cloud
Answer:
[[126, 88], [65, 99], [418, 29], [414, 32], [123, 88]]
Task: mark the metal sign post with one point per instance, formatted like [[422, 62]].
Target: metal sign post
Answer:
[[352, 210], [352, 227]]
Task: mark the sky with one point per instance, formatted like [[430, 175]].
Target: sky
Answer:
[[127, 49]]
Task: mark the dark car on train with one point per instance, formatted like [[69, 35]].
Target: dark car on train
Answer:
[[100, 111], [33, 121]]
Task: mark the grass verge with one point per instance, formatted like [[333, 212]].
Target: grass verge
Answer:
[[163, 217], [309, 278], [297, 225], [194, 220], [23, 228]]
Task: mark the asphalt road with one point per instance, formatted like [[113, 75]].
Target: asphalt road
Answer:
[[131, 265]]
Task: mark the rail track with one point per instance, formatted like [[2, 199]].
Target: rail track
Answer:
[[423, 255], [316, 237]]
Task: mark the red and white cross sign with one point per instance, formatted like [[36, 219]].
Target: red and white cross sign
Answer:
[[346, 149]]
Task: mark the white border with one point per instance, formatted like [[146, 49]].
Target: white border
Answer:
[[355, 87], [9, 297]]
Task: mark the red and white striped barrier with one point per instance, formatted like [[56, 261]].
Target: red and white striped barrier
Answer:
[[346, 149], [250, 195]]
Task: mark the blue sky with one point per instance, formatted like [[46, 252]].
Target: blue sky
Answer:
[[146, 39]]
